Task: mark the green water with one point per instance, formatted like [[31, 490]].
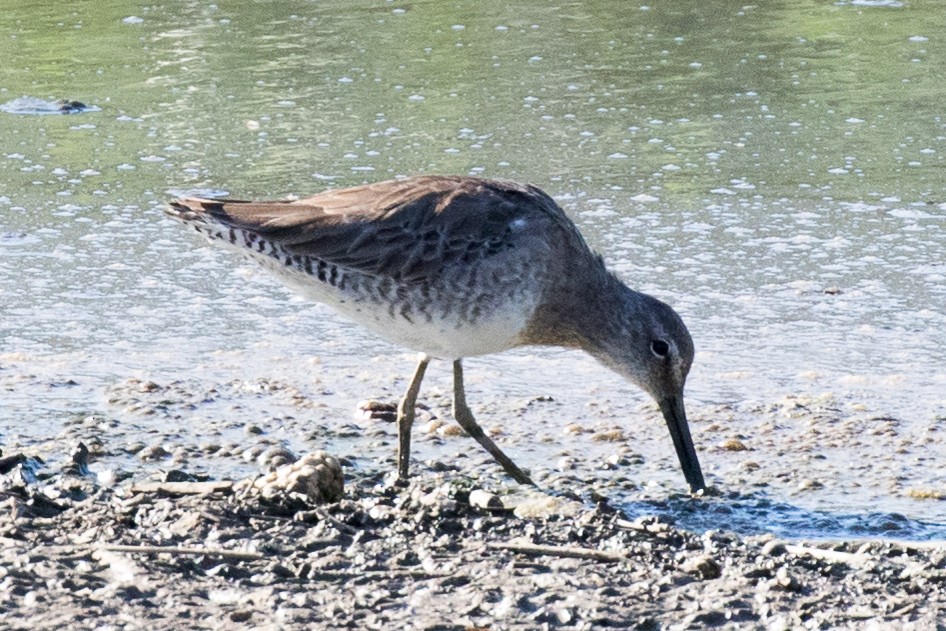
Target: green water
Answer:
[[694, 94], [736, 160]]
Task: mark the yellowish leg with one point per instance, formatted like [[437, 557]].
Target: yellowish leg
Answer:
[[405, 419], [464, 417]]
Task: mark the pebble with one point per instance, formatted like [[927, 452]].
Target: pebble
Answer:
[[376, 411], [651, 523], [703, 566], [537, 505], [565, 463], [734, 444], [393, 558], [486, 500], [451, 430], [612, 435], [317, 476], [431, 426], [275, 457], [617, 460], [774, 549], [786, 580], [810, 485], [153, 452]]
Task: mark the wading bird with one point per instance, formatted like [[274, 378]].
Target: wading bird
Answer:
[[455, 267]]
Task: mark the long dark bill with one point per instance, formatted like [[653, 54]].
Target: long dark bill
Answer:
[[676, 417]]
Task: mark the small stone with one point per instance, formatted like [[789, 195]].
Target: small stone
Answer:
[[241, 616], [432, 426], [774, 549], [652, 523], [451, 430], [536, 505], [785, 580], [810, 485], [177, 475], [9, 463], [704, 566], [617, 460], [435, 498], [376, 411], [275, 457], [317, 477], [734, 444], [78, 461], [154, 452], [926, 494], [564, 615], [832, 291], [708, 619], [484, 499], [612, 435], [135, 447]]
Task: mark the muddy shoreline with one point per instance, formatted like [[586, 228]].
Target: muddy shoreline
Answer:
[[447, 552]]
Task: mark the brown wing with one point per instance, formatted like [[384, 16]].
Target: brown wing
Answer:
[[402, 228]]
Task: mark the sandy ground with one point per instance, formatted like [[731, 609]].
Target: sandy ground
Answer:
[[442, 553]]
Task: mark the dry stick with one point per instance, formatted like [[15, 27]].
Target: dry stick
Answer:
[[227, 554], [342, 574], [920, 545], [850, 558], [324, 516], [183, 488], [829, 555], [560, 551]]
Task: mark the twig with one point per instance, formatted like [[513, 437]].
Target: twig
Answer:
[[830, 555], [897, 613], [183, 488], [858, 559], [227, 554], [342, 574], [324, 516], [561, 551], [920, 545]]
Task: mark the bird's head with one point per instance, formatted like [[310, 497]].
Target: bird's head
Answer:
[[650, 346]]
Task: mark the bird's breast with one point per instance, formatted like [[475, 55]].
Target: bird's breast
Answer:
[[476, 312]]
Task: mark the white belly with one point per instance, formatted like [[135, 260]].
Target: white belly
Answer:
[[438, 332], [444, 338]]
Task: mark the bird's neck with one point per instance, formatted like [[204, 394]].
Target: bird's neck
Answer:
[[581, 312]]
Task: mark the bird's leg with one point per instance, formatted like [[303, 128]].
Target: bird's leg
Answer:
[[464, 417], [405, 419]]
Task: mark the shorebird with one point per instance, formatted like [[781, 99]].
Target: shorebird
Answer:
[[455, 267]]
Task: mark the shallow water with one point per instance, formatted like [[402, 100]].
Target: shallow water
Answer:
[[774, 172]]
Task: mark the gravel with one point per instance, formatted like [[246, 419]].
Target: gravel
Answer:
[[442, 553]]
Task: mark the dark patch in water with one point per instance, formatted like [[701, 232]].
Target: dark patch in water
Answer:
[[756, 514], [33, 106]]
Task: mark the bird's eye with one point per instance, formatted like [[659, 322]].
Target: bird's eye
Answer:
[[660, 348]]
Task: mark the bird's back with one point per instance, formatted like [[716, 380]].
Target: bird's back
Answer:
[[452, 266]]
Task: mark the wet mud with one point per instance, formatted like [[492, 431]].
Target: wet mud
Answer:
[[449, 551]]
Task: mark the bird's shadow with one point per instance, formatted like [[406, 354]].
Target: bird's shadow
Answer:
[[756, 514]]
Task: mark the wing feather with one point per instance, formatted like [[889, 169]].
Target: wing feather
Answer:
[[406, 229]]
